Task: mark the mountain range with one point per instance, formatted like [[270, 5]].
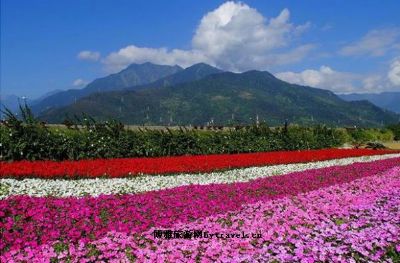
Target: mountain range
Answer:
[[12, 102], [203, 94], [386, 100], [134, 75]]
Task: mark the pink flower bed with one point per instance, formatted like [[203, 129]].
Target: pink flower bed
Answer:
[[338, 223], [31, 222]]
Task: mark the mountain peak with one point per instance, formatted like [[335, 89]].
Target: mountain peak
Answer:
[[133, 75], [192, 73], [203, 67], [264, 74], [200, 64], [150, 64]]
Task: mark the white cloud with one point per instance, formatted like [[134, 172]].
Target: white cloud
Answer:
[[233, 37], [238, 37], [346, 82], [133, 54], [325, 77], [374, 83], [79, 83], [374, 43], [89, 55], [394, 72]]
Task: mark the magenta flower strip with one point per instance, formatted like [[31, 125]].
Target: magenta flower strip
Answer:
[[341, 223], [360, 219]]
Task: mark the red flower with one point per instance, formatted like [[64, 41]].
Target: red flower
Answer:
[[167, 165]]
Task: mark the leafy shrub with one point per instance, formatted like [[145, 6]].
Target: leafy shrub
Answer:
[[28, 138], [395, 128], [371, 135]]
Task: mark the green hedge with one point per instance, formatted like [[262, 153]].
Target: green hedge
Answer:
[[27, 138], [371, 135], [395, 128]]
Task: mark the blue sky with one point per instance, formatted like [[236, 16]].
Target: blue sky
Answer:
[[344, 46]]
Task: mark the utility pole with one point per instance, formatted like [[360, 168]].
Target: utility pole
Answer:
[[285, 129]]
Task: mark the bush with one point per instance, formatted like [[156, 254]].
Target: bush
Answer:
[[362, 136], [27, 138], [395, 128]]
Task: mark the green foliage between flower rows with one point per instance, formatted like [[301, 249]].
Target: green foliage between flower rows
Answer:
[[26, 138]]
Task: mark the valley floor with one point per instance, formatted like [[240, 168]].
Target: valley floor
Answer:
[[395, 145]]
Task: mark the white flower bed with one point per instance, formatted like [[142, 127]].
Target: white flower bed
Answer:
[[95, 187]]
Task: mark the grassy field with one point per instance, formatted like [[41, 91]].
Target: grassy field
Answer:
[[392, 145], [150, 127]]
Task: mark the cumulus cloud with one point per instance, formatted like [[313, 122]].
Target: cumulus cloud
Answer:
[[374, 43], [394, 72], [325, 77], [79, 83], [238, 37], [89, 55], [384, 82], [374, 83], [346, 82], [133, 54], [233, 37]]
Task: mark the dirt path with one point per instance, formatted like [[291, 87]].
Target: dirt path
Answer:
[[393, 145]]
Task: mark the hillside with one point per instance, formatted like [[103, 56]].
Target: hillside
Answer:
[[224, 98], [12, 101], [133, 75], [192, 73], [386, 100]]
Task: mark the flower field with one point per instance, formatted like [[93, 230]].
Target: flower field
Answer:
[[304, 206], [167, 165]]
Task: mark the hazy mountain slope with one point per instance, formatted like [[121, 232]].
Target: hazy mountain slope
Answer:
[[10, 102], [386, 100], [192, 73]]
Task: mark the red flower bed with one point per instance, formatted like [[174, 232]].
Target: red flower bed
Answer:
[[166, 165]]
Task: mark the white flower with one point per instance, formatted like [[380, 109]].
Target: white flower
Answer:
[[144, 183]]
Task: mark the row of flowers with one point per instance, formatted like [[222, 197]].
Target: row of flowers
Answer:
[[360, 222], [34, 221], [168, 165], [96, 186]]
